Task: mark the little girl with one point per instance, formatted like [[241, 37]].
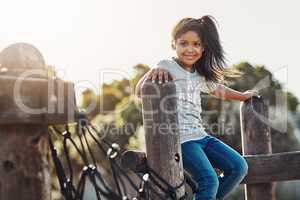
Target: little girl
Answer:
[[199, 67]]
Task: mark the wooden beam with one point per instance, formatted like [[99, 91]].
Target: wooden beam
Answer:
[[273, 167], [36, 101], [263, 168]]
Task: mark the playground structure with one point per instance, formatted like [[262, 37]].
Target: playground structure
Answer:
[[45, 101], [163, 149]]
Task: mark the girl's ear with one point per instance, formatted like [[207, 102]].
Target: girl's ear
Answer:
[[173, 45], [202, 49]]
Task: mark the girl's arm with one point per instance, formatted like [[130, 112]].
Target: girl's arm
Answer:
[[223, 92]]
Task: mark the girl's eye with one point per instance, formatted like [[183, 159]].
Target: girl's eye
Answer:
[[183, 43]]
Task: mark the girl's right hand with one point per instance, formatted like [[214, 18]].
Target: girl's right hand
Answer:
[[250, 93], [162, 75]]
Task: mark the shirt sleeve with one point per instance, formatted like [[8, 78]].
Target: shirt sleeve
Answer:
[[167, 65], [164, 64]]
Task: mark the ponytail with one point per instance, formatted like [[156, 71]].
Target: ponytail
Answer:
[[212, 63]]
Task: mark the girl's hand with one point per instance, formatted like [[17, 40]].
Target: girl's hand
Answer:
[[250, 93], [162, 75]]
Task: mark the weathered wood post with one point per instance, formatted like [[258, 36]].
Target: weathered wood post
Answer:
[[256, 139], [29, 102], [161, 131]]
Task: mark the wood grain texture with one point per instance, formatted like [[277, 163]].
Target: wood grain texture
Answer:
[[273, 167], [161, 132], [36, 101], [256, 139], [24, 168]]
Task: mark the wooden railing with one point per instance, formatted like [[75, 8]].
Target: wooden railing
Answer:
[[163, 151]]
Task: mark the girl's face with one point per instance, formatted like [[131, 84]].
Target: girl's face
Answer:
[[189, 48]]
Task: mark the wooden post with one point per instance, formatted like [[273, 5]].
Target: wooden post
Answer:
[[256, 139], [29, 102], [162, 139]]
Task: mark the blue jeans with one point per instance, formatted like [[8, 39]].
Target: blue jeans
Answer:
[[200, 157]]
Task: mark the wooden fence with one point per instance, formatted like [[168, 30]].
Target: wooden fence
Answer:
[[163, 148], [30, 101]]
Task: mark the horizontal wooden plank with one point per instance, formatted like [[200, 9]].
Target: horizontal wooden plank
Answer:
[[273, 167], [262, 168], [36, 101]]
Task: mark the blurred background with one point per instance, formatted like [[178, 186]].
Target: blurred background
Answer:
[[104, 47]]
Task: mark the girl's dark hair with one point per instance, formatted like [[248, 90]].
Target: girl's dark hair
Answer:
[[212, 63]]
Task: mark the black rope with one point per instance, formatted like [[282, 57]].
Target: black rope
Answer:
[[168, 188], [148, 182], [62, 179]]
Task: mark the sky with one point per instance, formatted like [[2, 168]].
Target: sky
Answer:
[[83, 38]]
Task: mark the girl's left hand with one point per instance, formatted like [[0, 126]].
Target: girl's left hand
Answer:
[[250, 93]]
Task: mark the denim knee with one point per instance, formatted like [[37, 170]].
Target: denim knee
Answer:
[[240, 168]]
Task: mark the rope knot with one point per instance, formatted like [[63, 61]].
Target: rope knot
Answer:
[[113, 151], [67, 134]]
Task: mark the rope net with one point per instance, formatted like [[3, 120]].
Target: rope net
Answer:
[[74, 188]]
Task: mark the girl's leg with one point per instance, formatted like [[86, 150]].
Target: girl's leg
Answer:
[[196, 162], [233, 165]]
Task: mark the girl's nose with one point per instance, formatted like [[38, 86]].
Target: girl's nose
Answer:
[[190, 48]]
